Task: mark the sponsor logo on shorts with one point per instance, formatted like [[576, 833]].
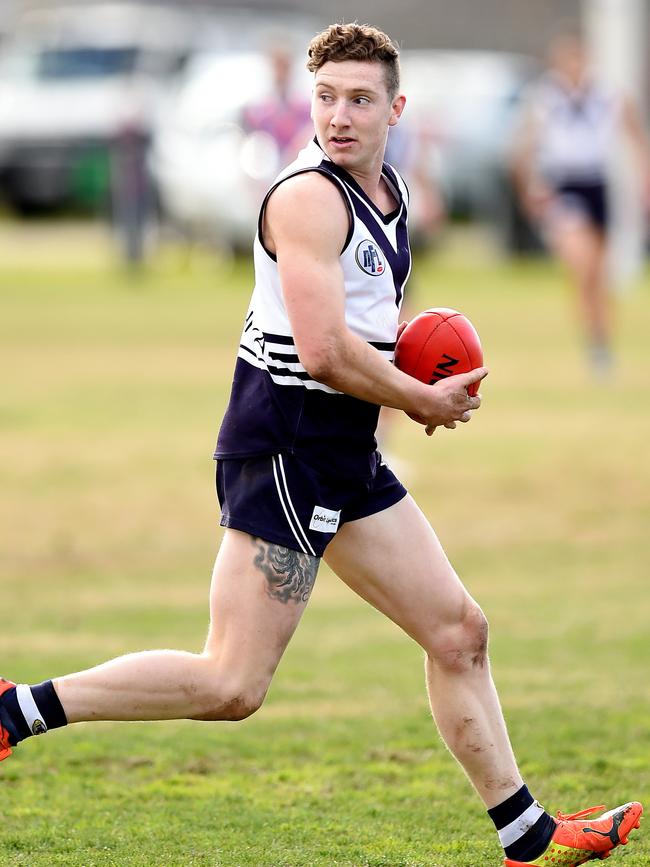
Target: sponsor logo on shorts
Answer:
[[370, 258], [324, 520]]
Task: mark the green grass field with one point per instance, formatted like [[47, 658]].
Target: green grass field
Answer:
[[112, 391]]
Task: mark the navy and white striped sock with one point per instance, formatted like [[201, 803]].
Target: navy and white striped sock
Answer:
[[524, 827], [31, 710]]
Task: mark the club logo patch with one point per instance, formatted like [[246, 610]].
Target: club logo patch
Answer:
[[370, 258], [324, 520], [38, 727]]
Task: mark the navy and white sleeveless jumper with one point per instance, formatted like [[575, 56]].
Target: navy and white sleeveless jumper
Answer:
[[576, 130], [275, 406], [576, 134]]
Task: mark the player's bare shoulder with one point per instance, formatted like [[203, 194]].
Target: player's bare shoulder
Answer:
[[306, 208]]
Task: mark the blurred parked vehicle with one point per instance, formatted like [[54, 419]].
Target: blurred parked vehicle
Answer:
[[73, 81], [468, 102], [210, 172]]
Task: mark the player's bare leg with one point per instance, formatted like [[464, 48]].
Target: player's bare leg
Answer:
[[394, 560], [257, 597], [582, 249]]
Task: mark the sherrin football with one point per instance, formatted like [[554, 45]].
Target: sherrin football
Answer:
[[437, 343]]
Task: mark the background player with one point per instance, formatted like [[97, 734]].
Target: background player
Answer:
[[299, 476], [562, 162]]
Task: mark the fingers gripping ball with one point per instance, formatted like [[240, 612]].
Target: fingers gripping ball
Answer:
[[439, 342]]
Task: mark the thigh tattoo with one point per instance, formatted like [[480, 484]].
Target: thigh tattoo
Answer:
[[290, 575]]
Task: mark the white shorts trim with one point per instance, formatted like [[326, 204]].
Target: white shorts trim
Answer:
[[283, 491]]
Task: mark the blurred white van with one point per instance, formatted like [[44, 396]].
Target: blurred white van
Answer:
[[73, 80]]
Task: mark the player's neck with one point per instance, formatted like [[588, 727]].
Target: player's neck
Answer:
[[383, 197], [372, 184]]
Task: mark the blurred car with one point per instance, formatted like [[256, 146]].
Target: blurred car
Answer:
[[468, 102], [72, 81], [210, 172]]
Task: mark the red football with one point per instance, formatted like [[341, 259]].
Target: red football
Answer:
[[438, 343]]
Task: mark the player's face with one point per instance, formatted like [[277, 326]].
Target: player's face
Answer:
[[352, 111], [569, 58]]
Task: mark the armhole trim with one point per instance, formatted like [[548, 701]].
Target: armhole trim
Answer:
[[337, 183]]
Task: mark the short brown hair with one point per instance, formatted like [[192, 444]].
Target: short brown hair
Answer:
[[356, 42]]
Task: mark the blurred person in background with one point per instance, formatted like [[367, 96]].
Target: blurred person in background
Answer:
[[277, 125], [132, 193], [562, 161], [284, 115]]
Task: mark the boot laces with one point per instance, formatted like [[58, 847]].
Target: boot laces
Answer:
[[568, 817]]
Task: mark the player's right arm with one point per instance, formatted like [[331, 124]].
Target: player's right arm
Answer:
[[305, 225]]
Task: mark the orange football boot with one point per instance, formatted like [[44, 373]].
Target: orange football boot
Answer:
[[5, 746], [577, 840]]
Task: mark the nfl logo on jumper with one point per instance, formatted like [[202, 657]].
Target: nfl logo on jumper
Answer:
[[370, 258]]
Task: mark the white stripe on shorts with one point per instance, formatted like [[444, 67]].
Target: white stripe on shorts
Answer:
[[512, 832], [29, 709], [286, 490], [284, 507]]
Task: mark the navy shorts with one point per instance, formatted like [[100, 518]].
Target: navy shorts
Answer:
[[587, 199], [281, 499]]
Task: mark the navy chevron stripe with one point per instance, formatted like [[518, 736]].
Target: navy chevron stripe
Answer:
[[400, 259], [356, 187]]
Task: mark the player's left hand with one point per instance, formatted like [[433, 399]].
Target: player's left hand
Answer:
[[451, 425], [455, 389]]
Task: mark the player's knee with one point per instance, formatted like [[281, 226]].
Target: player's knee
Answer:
[[243, 705], [233, 701], [462, 646]]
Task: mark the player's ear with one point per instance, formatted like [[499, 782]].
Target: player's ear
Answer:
[[397, 107]]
